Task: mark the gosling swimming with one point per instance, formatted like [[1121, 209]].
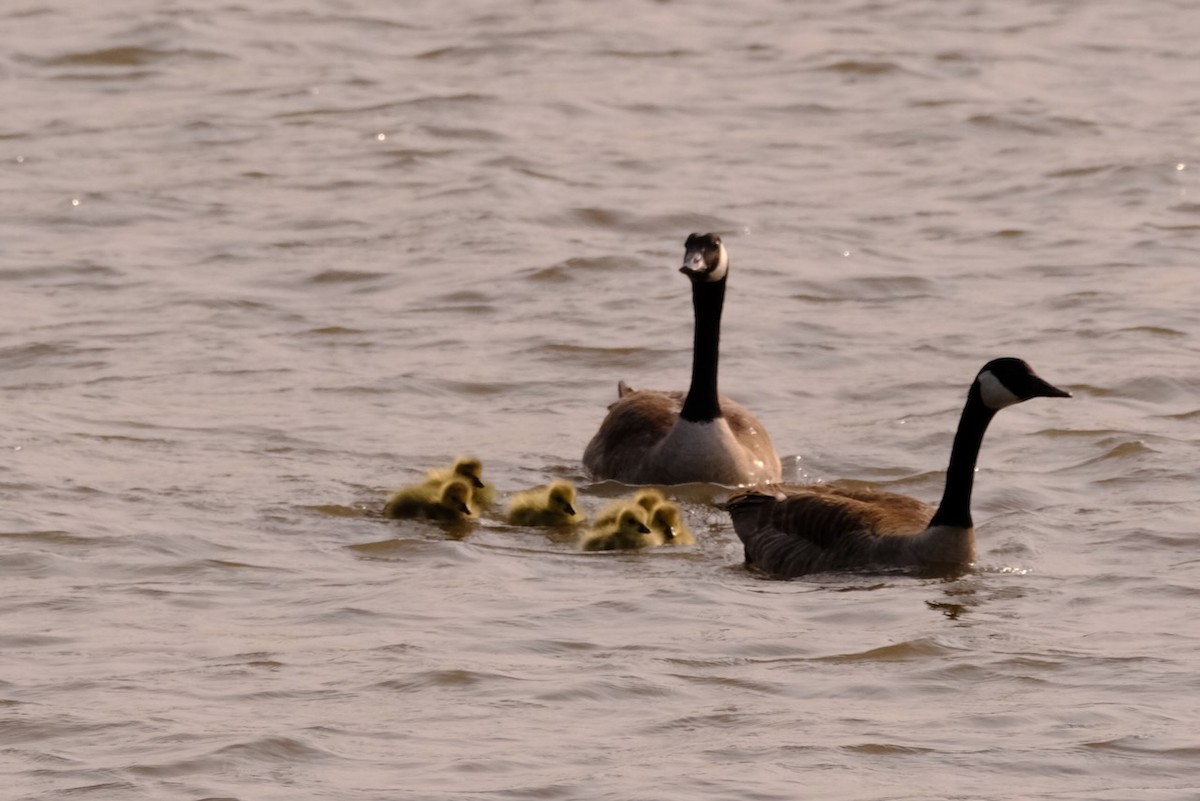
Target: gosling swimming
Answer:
[[447, 502], [470, 470], [667, 521], [662, 517], [553, 505], [648, 498], [629, 531]]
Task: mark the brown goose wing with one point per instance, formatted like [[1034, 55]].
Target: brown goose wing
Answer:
[[812, 529], [633, 426]]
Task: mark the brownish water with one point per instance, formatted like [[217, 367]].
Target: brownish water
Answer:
[[264, 262]]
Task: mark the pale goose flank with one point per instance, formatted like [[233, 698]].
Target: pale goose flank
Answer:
[[806, 529]]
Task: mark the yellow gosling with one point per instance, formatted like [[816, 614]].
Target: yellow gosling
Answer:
[[648, 498], [545, 506], [470, 470], [667, 521], [629, 531], [449, 501]]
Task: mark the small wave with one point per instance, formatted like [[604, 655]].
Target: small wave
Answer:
[[435, 679], [1156, 388], [345, 276], [909, 651], [463, 133], [862, 67], [568, 269], [432, 552], [41, 273], [50, 537], [886, 749], [283, 750], [34, 354], [338, 510], [337, 331], [625, 222], [891, 288], [606, 689], [129, 56], [1143, 745]]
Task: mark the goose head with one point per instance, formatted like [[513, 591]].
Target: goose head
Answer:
[[1003, 382], [705, 258], [562, 498]]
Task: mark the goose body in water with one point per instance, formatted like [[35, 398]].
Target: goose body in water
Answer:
[[653, 437], [812, 529]]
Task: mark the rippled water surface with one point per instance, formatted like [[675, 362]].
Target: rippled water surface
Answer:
[[264, 262]]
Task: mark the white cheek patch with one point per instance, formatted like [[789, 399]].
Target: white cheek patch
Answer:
[[722, 268], [993, 393]]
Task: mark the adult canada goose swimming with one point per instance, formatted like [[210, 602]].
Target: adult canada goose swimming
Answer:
[[546, 506], [448, 501], [652, 437], [806, 529], [628, 531], [470, 470]]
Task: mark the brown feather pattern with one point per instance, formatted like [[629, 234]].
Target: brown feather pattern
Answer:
[[815, 528]]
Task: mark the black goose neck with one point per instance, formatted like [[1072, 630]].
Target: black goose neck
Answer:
[[702, 404], [955, 508]]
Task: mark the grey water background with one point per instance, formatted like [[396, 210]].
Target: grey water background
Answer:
[[262, 263]]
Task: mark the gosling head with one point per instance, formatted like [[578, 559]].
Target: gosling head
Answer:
[[704, 258], [456, 494], [1003, 382], [562, 498], [470, 469], [632, 521], [648, 499], [666, 519]]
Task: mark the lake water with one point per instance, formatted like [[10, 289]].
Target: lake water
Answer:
[[263, 263]]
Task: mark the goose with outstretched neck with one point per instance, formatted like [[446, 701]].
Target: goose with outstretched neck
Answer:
[[656, 437], [796, 530]]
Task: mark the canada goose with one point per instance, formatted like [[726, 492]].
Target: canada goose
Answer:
[[628, 531], [448, 501], [667, 520], [547, 506], [647, 498], [806, 529], [469, 469], [652, 437]]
